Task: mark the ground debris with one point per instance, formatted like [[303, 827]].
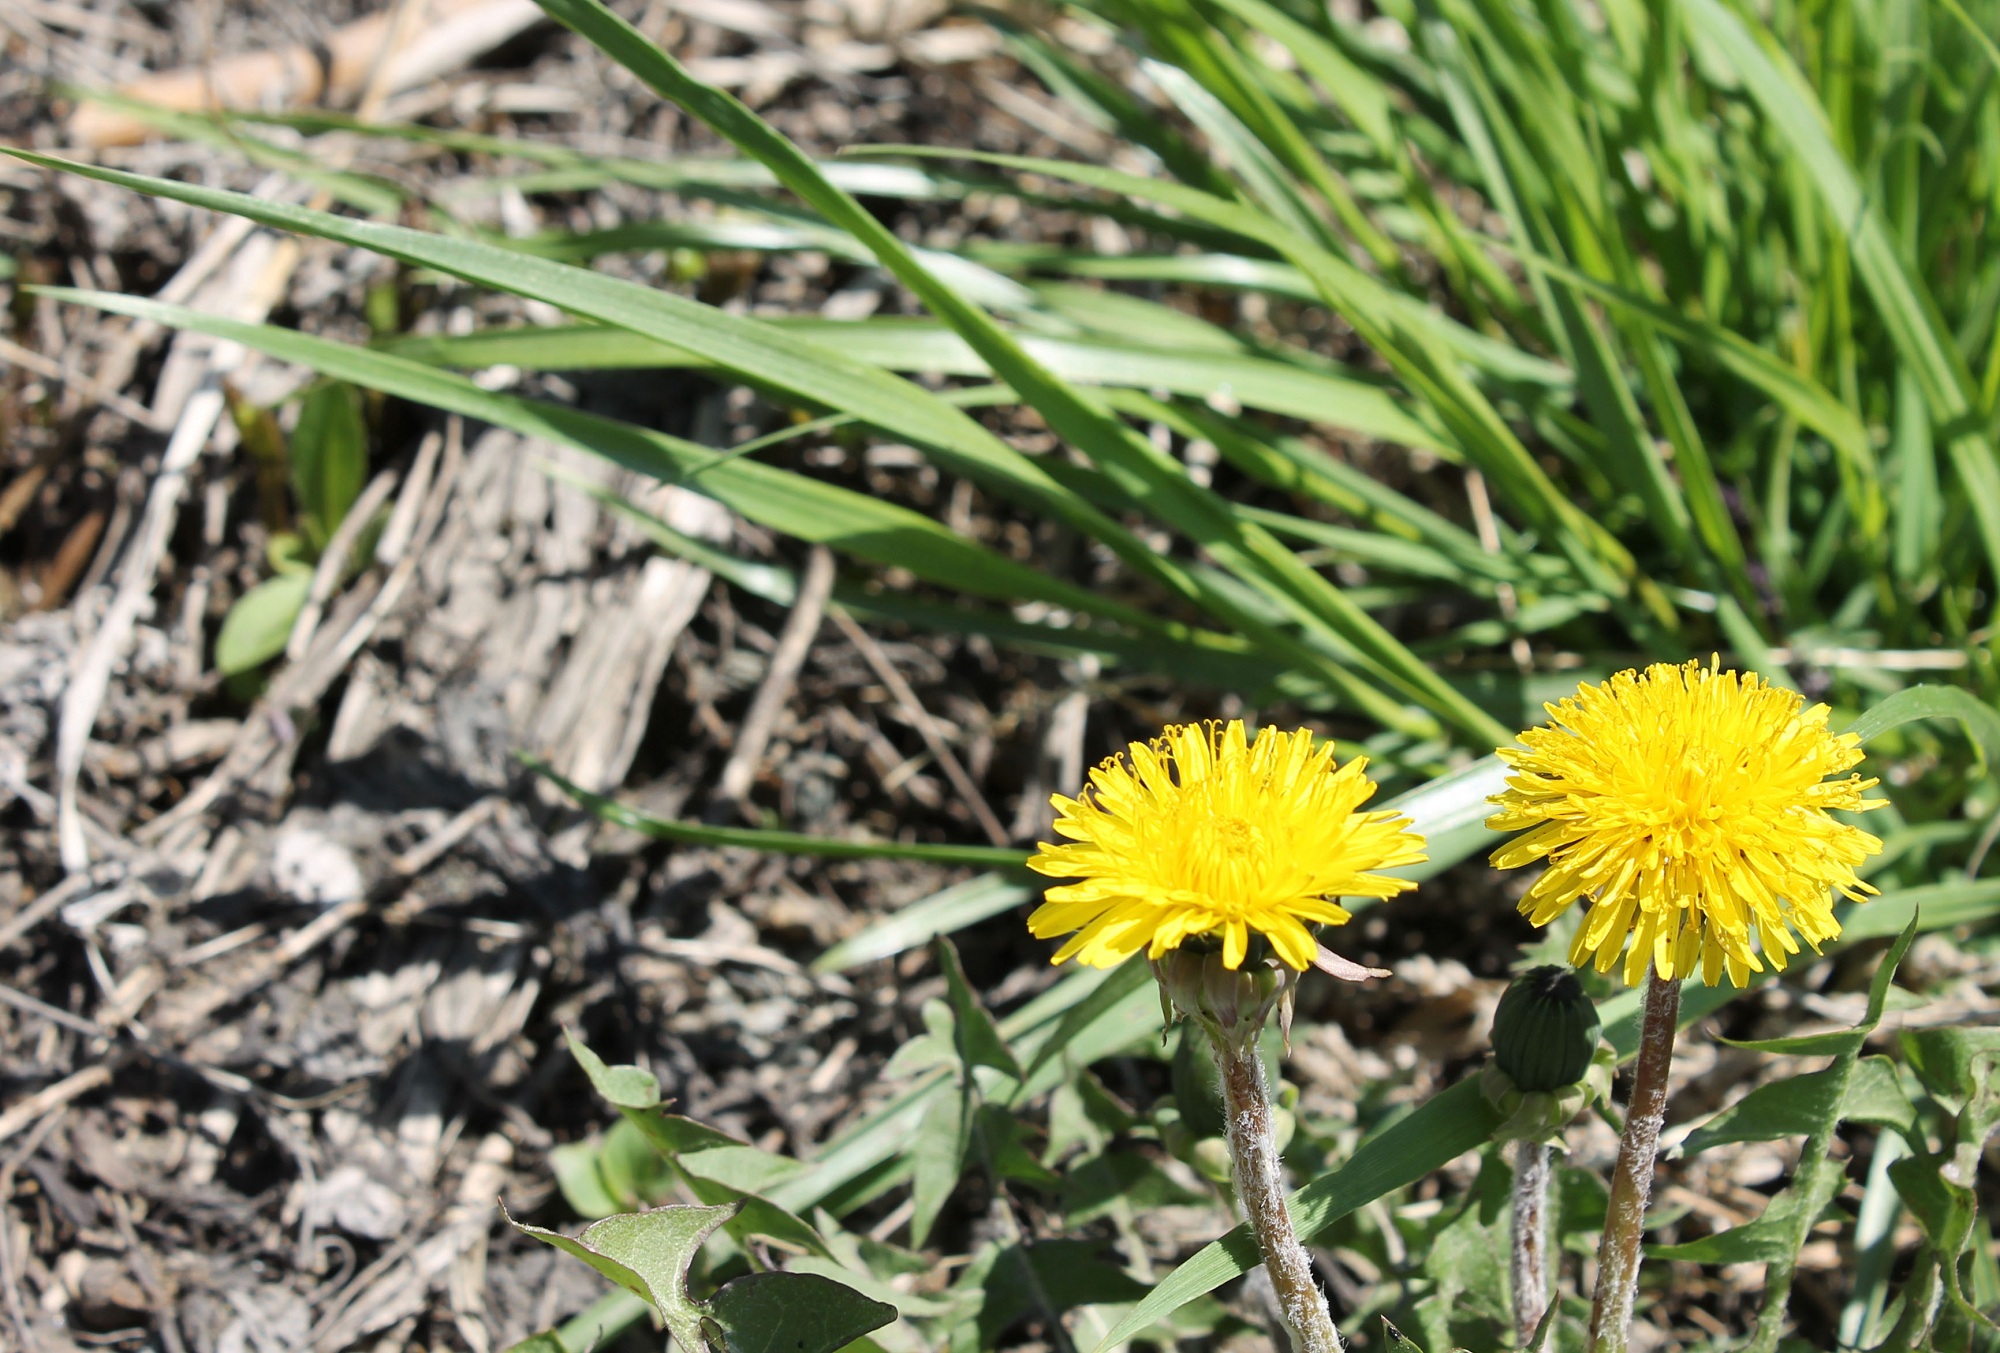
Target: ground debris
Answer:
[[304, 1000]]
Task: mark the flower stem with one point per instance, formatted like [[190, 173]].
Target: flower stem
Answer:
[[1531, 1232], [1253, 1148], [1632, 1179]]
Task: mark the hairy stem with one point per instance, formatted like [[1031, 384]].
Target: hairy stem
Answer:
[[1632, 1179], [1253, 1148], [1531, 1234]]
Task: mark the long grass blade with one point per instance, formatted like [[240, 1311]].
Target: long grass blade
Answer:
[[1430, 375], [1155, 479], [1296, 390], [857, 524], [1906, 309], [782, 843], [747, 347]]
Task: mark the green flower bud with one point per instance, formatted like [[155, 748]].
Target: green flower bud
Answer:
[[1211, 1157], [1545, 1031], [1230, 1004]]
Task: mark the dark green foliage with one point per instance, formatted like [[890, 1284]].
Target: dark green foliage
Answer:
[[791, 1313], [1057, 1275], [329, 458], [1197, 1086]]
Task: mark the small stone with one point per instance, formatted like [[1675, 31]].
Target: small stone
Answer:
[[109, 1298], [310, 867], [359, 1205]]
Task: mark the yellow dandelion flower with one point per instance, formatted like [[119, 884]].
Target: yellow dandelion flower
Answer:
[[1201, 832], [1688, 806]]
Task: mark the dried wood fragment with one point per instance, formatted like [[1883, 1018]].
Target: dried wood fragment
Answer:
[[432, 848], [398, 1290], [62, 1092], [91, 676], [333, 561], [269, 737], [592, 718], [188, 1010], [458, 31], [12, 353]]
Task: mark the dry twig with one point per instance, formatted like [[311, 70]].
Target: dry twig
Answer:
[[333, 561], [270, 728], [54, 1096], [914, 711], [90, 390], [776, 689]]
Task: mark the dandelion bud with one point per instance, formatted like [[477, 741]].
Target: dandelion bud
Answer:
[[1548, 1063], [1545, 1031]]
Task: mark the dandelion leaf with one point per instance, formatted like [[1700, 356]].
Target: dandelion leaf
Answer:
[[979, 1040], [1787, 1108], [791, 1313], [1771, 1237], [626, 1087], [647, 1254], [548, 1341]]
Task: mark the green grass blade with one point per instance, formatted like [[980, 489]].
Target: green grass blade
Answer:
[[694, 175], [777, 842], [1426, 369], [1370, 104], [1979, 35], [1491, 357], [1451, 812], [757, 351], [377, 197], [1314, 393], [1518, 174], [1297, 466], [1797, 392], [941, 913], [1251, 89], [1366, 548], [1206, 659], [857, 524], [1106, 103], [1981, 721], [1092, 429], [1265, 181], [1906, 309], [771, 231]]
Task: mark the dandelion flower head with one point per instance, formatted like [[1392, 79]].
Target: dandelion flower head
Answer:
[[1203, 832], [1688, 807]]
